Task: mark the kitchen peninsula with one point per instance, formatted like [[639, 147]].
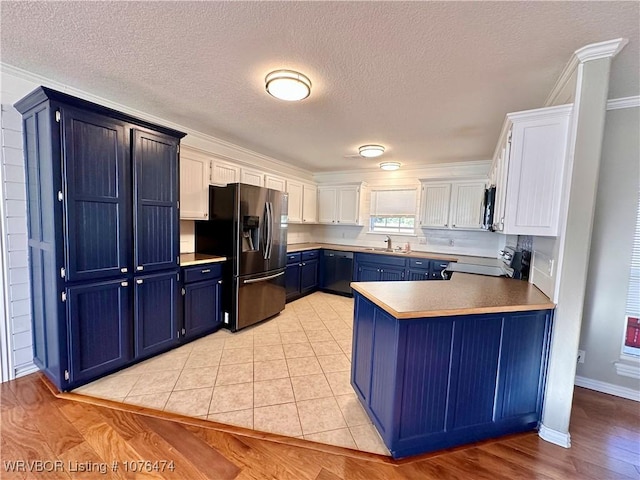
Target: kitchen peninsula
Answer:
[[440, 364]]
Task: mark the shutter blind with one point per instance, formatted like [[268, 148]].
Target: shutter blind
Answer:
[[397, 203]]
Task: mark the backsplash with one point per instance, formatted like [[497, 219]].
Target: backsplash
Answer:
[[476, 243]]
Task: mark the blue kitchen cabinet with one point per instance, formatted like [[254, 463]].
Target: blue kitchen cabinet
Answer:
[[156, 313], [301, 274], [99, 322], [292, 275], [376, 268], [202, 302], [438, 382], [96, 179], [102, 190], [155, 196], [309, 271]]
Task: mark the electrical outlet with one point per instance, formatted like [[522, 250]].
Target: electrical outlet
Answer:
[[342, 234], [422, 240], [581, 356], [451, 243]]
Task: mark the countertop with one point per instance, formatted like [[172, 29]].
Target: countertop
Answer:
[[299, 247], [189, 259], [464, 294]]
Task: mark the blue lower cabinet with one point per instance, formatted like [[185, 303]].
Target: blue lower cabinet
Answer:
[[301, 274], [99, 326], [156, 313], [434, 383], [202, 313], [308, 276], [389, 268], [292, 280], [418, 274]]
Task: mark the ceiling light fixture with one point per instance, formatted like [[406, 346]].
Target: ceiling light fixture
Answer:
[[390, 165], [287, 85], [371, 151]]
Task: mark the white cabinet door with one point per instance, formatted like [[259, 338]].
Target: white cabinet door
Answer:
[[327, 204], [348, 202], [467, 205], [277, 183], [252, 177], [309, 203], [223, 173], [194, 186], [436, 198], [536, 171], [294, 189]]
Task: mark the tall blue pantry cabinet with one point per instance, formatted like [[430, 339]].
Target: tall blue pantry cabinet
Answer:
[[103, 236]]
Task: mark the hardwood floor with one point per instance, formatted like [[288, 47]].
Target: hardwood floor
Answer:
[[82, 433]]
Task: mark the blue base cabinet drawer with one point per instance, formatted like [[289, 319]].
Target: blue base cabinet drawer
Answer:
[[200, 273]]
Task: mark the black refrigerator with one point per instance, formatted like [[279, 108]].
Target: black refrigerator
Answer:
[[248, 225]]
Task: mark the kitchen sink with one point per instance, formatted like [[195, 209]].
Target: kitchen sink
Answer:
[[371, 249]]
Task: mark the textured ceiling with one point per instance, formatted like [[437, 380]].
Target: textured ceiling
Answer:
[[430, 80]]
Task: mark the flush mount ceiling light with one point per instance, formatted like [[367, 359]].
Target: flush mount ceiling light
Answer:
[[371, 151], [390, 165], [287, 85]]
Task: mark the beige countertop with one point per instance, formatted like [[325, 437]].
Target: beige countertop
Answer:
[[299, 247], [189, 259], [464, 294]]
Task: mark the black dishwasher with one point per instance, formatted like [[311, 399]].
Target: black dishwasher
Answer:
[[336, 272]]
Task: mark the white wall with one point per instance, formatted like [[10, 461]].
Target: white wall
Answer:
[[17, 311], [611, 247]]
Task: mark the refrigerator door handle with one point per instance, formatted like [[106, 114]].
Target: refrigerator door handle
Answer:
[[263, 279], [270, 228], [267, 228]]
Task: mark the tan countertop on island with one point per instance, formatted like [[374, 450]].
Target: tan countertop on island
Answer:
[[464, 294], [189, 259]]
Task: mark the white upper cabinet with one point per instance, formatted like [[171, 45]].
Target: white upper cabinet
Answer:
[[302, 202], [274, 182], [251, 177], [194, 185], [534, 152], [294, 189], [309, 203], [434, 208], [467, 205], [223, 172], [340, 204], [454, 205]]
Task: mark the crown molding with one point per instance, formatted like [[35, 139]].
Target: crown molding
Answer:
[[626, 102], [204, 142], [594, 51]]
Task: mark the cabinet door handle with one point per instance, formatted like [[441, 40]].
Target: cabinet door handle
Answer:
[[219, 282], [124, 270], [206, 270], [124, 284], [139, 281], [140, 267]]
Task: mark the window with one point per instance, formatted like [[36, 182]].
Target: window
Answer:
[[631, 344], [393, 211]]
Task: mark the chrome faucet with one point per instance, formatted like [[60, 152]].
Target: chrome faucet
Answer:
[[387, 240]]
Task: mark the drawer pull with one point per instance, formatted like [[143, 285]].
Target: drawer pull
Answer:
[[206, 270], [139, 281], [418, 263]]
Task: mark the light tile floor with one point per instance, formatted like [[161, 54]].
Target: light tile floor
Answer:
[[289, 375]]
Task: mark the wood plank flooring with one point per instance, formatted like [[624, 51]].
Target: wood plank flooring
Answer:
[[96, 436]]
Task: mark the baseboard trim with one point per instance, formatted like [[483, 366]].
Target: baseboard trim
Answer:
[[553, 436], [23, 370], [608, 388]]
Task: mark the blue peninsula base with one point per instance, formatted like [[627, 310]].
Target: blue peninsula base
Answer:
[[438, 382]]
